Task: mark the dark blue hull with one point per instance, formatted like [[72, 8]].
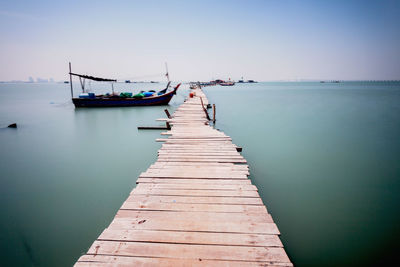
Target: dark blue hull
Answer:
[[123, 102]]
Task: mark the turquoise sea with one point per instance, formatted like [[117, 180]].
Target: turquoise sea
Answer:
[[325, 158]]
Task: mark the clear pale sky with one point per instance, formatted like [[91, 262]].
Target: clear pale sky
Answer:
[[200, 40]]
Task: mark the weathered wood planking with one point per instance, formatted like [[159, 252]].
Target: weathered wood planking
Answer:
[[195, 206], [101, 260], [188, 251], [191, 238]]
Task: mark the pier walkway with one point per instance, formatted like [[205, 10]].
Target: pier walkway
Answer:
[[195, 206]]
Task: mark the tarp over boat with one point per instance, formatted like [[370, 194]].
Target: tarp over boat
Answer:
[[93, 78]]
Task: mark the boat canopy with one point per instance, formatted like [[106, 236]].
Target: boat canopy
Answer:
[[93, 78]]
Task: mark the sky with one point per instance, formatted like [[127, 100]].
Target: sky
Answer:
[[201, 40]]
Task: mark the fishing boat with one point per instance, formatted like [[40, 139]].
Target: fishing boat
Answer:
[[227, 83], [149, 98]]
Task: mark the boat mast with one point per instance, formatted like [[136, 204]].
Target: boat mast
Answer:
[[70, 80], [166, 67]]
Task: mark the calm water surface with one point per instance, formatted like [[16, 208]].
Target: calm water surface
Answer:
[[325, 158]]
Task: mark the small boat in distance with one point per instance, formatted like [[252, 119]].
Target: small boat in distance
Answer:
[[248, 81], [229, 83], [150, 98]]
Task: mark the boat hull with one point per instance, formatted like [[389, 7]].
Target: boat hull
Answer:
[[123, 102]]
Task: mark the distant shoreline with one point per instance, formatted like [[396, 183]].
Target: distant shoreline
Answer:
[[286, 81]]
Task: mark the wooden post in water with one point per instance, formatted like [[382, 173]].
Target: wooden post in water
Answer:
[[205, 110], [167, 112], [214, 113], [70, 80]]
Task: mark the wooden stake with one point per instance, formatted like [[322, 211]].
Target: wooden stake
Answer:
[[167, 112], [214, 113], [70, 80], [205, 110]]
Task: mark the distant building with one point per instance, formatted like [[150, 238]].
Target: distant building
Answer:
[[40, 80]]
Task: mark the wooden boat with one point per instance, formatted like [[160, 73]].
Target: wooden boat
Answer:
[[227, 84], [117, 101], [111, 100]]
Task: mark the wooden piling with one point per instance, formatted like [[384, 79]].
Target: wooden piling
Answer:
[[70, 80], [167, 112], [204, 109], [213, 113]]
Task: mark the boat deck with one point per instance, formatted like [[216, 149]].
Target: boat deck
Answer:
[[195, 206]]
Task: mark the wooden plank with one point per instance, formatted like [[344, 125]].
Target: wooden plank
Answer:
[[198, 152], [157, 206], [194, 192], [177, 157], [198, 199], [193, 175], [243, 187], [184, 251], [196, 217], [200, 167], [193, 182], [204, 160], [170, 169], [201, 157], [226, 173], [195, 170], [107, 260], [202, 164], [182, 237], [197, 178]]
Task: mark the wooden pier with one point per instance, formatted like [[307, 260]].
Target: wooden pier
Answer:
[[195, 206]]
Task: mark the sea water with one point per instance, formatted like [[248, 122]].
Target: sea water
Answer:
[[325, 158]]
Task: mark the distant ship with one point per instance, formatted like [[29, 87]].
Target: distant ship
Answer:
[[335, 81], [228, 83], [248, 81]]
